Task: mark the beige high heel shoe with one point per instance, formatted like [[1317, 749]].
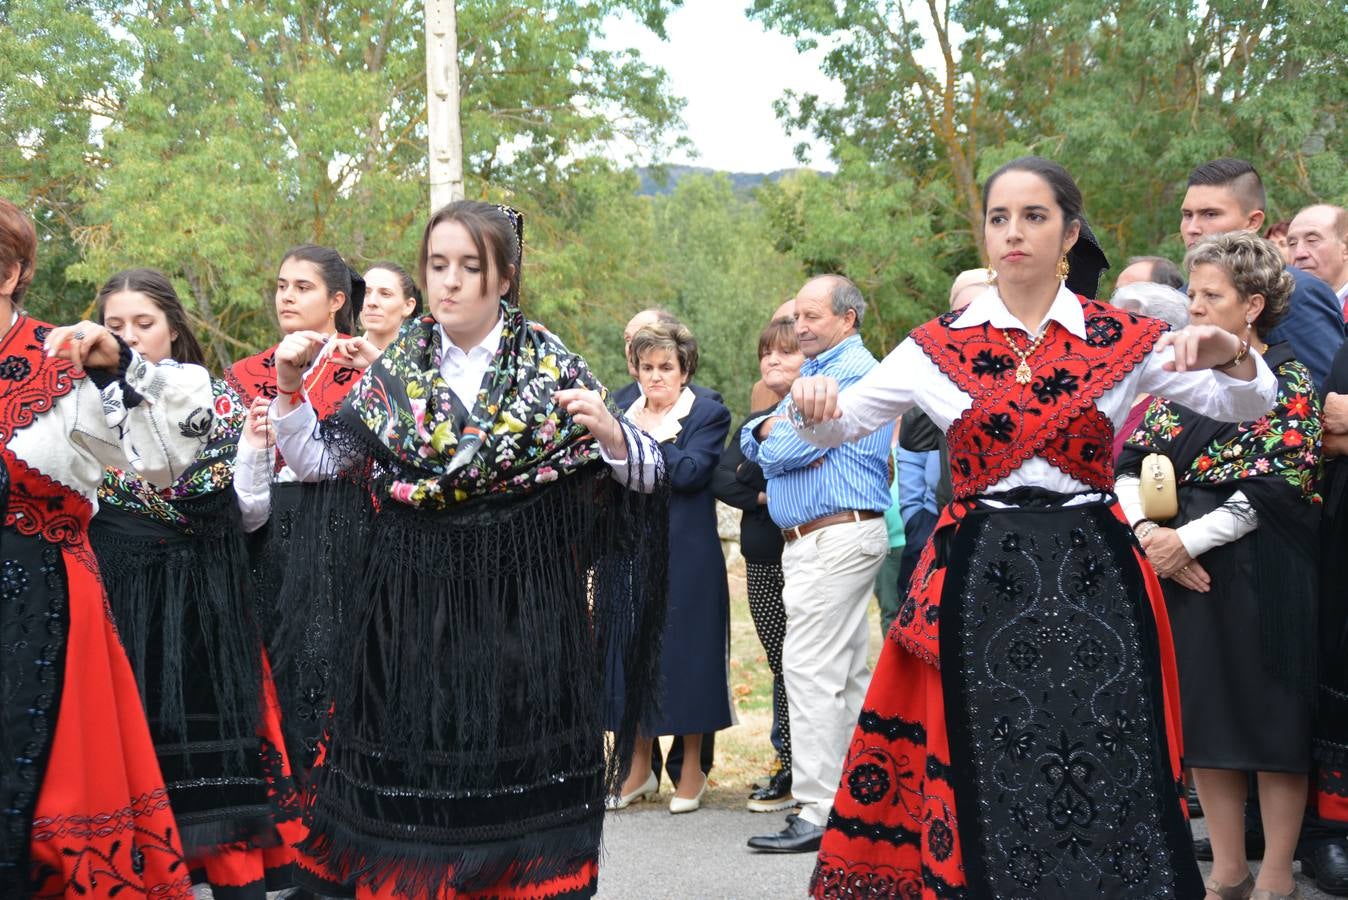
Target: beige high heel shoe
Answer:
[[679, 804], [1240, 891], [1266, 894], [621, 801]]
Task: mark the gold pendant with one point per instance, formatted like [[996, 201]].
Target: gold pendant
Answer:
[[1023, 373]]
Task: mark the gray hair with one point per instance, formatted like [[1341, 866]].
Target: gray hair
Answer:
[[1159, 301], [846, 295]]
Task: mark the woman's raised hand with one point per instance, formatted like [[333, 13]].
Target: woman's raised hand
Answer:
[[293, 356], [86, 344], [1200, 347], [354, 352], [589, 409], [816, 398]]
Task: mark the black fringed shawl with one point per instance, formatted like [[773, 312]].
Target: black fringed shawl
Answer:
[[174, 560], [1275, 462], [467, 744], [175, 567]]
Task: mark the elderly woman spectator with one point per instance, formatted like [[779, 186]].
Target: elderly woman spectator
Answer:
[[1160, 302], [1239, 570], [741, 484], [696, 645]]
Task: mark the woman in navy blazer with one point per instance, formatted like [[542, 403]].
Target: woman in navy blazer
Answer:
[[694, 662]]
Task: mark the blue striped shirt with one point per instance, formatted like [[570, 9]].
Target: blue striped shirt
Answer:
[[853, 476]]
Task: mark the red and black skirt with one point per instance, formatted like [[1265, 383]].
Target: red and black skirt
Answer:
[[1020, 736]]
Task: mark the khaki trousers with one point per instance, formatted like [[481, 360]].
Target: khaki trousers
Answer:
[[829, 577]]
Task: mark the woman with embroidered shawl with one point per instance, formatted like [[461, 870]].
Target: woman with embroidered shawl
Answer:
[[1239, 567], [1020, 737], [175, 567], [316, 294], [83, 809], [465, 754]]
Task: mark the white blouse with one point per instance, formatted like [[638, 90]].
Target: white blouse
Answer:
[[89, 429], [907, 377], [672, 422], [307, 459]]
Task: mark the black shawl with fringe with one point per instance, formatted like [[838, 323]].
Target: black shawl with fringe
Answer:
[[176, 571], [466, 747], [1275, 462]]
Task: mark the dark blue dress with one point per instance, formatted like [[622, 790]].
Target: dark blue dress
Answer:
[[694, 660]]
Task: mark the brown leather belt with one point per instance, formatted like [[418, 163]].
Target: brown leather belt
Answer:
[[851, 515]]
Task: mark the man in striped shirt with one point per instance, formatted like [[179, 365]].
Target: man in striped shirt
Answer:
[[830, 506]]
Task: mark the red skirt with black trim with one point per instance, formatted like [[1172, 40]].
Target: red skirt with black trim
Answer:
[[102, 826], [1020, 737]]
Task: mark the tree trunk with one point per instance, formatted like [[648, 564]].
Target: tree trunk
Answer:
[[442, 102]]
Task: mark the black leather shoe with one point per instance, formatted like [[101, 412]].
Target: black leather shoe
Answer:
[[799, 836], [775, 796], [1254, 847], [1327, 866]]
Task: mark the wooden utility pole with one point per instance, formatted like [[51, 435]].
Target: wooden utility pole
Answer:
[[442, 102]]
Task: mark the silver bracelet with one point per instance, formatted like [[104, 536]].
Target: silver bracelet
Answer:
[[794, 415], [1147, 527]]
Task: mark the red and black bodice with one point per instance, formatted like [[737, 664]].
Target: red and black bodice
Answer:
[[1048, 411], [326, 385]]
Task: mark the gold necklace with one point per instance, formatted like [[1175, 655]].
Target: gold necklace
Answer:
[[1024, 374]]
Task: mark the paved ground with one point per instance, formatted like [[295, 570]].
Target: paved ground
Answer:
[[652, 855]]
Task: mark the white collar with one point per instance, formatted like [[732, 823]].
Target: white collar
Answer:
[[672, 423], [988, 308], [488, 343], [1343, 291]]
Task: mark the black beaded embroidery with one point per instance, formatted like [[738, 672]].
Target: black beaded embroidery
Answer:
[[1060, 718], [32, 642]]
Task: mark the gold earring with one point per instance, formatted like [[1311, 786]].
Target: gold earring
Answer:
[[1063, 268], [992, 274]]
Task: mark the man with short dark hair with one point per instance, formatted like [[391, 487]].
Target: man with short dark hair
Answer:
[[830, 506], [1153, 269], [1318, 242], [1228, 195]]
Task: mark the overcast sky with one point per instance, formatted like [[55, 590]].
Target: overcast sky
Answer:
[[730, 70]]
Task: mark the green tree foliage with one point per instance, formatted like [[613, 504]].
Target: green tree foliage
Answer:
[[205, 138], [1128, 95]]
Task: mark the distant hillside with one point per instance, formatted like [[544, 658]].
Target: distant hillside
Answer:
[[663, 179]]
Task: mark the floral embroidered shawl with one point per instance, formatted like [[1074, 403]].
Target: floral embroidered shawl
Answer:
[[404, 407]]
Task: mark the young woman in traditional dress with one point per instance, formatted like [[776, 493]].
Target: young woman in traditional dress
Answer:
[[176, 570], [83, 808], [1021, 733], [466, 755], [391, 298], [316, 294]]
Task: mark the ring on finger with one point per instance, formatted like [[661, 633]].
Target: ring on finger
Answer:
[[78, 334]]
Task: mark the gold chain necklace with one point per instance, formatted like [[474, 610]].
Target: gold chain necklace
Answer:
[[1024, 374]]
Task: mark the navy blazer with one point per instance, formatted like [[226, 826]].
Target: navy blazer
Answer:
[[1313, 325]]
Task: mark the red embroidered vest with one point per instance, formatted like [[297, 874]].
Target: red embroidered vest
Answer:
[[30, 384], [1054, 414], [326, 387]]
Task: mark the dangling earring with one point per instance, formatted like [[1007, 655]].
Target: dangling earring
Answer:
[[1064, 267], [992, 274]]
